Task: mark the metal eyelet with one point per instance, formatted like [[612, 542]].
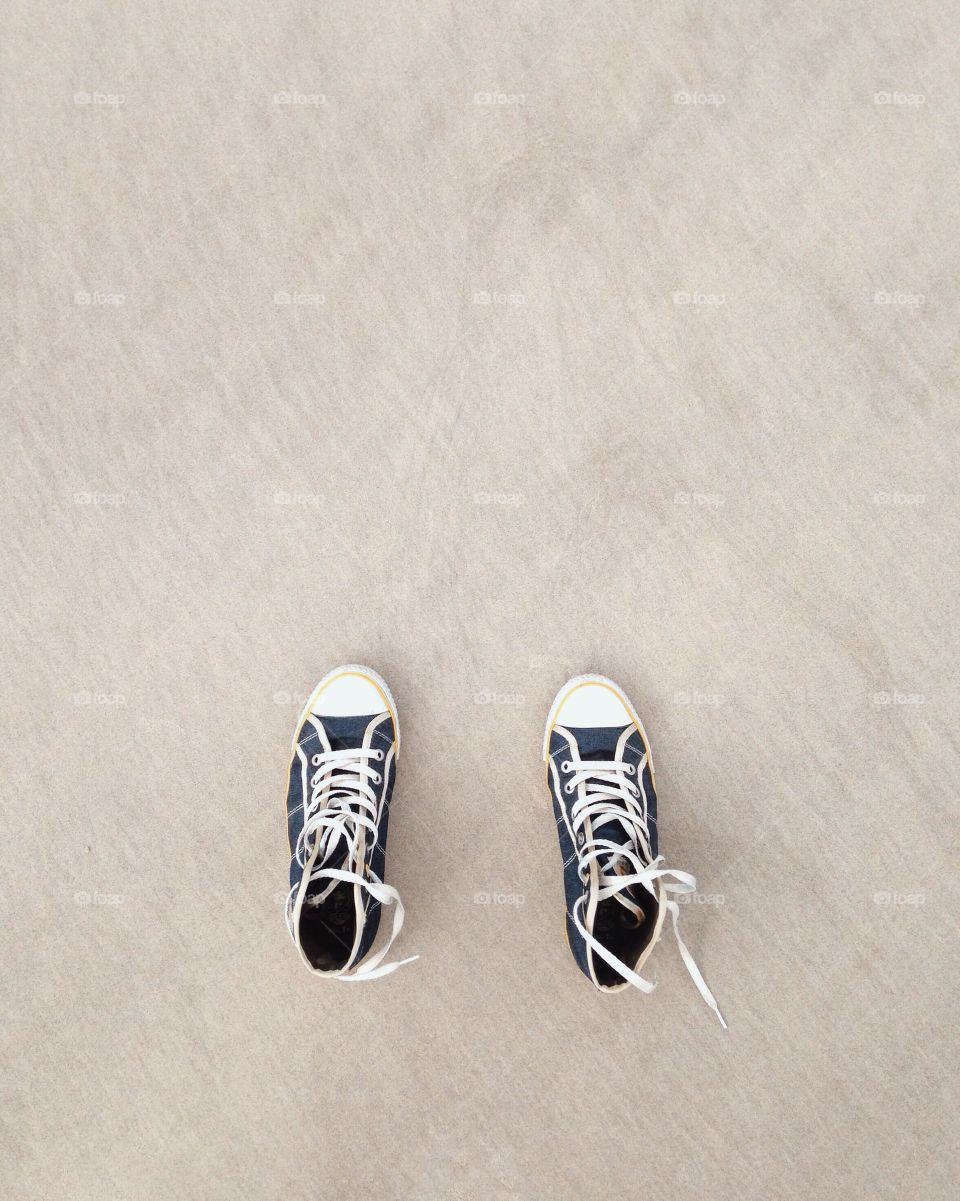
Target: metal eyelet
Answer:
[[580, 839], [379, 756], [566, 765], [568, 788], [315, 760], [631, 770], [376, 777]]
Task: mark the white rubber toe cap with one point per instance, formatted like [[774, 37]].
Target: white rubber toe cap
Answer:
[[350, 692], [590, 702]]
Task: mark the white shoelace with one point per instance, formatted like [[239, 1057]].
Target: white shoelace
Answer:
[[610, 795], [336, 821]]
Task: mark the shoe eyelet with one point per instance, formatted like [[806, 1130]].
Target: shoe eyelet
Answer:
[[376, 777], [580, 839], [568, 788], [315, 760], [566, 765], [379, 756], [631, 770]]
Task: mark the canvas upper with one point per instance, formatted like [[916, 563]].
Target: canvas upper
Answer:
[[341, 779], [615, 924], [616, 885]]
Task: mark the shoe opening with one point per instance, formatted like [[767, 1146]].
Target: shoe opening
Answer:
[[623, 932], [328, 928]]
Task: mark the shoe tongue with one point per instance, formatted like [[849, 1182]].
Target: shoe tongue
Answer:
[[598, 742], [346, 733]]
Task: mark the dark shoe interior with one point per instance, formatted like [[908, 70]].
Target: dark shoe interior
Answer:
[[622, 932], [328, 930]]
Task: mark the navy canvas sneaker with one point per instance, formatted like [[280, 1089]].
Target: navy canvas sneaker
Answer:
[[600, 775], [342, 771]]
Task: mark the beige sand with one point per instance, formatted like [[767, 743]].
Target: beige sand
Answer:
[[488, 344]]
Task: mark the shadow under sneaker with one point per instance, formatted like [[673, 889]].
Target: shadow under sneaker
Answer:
[[618, 890], [342, 772]]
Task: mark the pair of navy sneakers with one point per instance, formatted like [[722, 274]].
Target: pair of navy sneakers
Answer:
[[600, 775]]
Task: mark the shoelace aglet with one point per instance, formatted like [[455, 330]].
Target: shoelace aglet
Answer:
[[378, 972]]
